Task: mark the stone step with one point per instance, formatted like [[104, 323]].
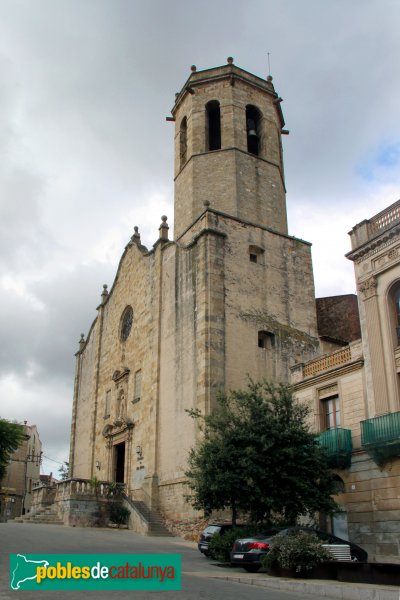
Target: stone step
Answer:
[[46, 515], [154, 520]]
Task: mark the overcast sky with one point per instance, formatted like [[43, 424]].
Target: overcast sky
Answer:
[[86, 153]]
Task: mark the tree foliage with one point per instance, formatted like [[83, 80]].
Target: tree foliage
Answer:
[[11, 437], [258, 455], [63, 471]]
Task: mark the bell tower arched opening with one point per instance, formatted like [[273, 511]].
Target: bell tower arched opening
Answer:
[[253, 129], [183, 142], [213, 131]]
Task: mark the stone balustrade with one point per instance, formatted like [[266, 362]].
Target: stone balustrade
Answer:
[[348, 354], [385, 219], [77, 488], [326, 362], [368, 229]]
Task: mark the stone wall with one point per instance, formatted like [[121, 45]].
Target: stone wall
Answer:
[[372, 502]]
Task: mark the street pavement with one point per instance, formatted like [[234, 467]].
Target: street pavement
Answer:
[[201, 579]]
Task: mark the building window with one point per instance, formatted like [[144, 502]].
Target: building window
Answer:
[[330, 412], [394, 302], [183, 142], [137, 386], [213, 125], [107, 404], [253, 128], [126, 323], [255, 252], [266, 339]]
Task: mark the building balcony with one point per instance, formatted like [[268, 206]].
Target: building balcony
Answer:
[[339, 447], [345, 357], [380, 437], [371, 228]]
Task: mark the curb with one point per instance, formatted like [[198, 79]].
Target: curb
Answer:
[[321, 588]]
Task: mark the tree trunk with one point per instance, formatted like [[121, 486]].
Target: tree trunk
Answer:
[[234, 513]]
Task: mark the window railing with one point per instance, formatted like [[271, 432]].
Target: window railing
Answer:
[[380, 436], [339, 447]]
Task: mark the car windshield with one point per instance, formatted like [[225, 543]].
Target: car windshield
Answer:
[[212, 529]]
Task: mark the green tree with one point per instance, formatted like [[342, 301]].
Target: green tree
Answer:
[[11, 437], [257, 454], [63, 471]]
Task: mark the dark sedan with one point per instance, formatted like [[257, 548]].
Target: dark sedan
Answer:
[[209, 532], [247, 552]]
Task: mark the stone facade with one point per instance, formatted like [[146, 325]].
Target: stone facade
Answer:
[[232, 295], [359, 384]]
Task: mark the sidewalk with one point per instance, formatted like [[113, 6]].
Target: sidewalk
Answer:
[[320, 588]]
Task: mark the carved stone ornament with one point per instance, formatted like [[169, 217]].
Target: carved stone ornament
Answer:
[[368, 288], [330, 390], [118, 375], [119, 426]]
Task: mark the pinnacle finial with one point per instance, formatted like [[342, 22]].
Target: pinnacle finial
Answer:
[[163, 229], [104, 293], [229, 60], [193, 68]]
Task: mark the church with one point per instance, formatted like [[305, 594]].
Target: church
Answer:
[[231, 294]]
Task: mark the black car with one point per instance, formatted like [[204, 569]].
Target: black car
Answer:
[[247, 552], [209, 532]]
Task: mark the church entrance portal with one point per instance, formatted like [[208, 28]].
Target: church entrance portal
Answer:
[[119, 463]]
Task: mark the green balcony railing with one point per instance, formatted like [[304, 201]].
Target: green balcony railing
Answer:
[[339, 447], [380, 436]]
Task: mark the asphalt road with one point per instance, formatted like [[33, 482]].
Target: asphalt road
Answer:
[[201, 580]]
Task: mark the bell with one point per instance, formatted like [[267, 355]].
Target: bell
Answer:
[[251, 128]]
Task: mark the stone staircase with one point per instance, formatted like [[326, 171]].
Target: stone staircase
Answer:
[[155, 522], [44, 514]]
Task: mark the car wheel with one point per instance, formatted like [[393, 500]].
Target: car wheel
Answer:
[[251, 568]]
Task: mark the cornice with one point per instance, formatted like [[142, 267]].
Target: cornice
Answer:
[[375, 244]]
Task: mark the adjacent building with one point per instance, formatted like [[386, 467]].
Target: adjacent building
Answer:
[[355, 390], [22, 474]]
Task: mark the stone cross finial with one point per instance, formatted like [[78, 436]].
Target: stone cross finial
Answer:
[[136, 236]]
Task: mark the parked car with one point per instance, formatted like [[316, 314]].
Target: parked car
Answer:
[[209, 532], [247, 552]]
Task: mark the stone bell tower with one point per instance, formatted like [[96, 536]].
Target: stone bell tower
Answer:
[[228, 151]]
